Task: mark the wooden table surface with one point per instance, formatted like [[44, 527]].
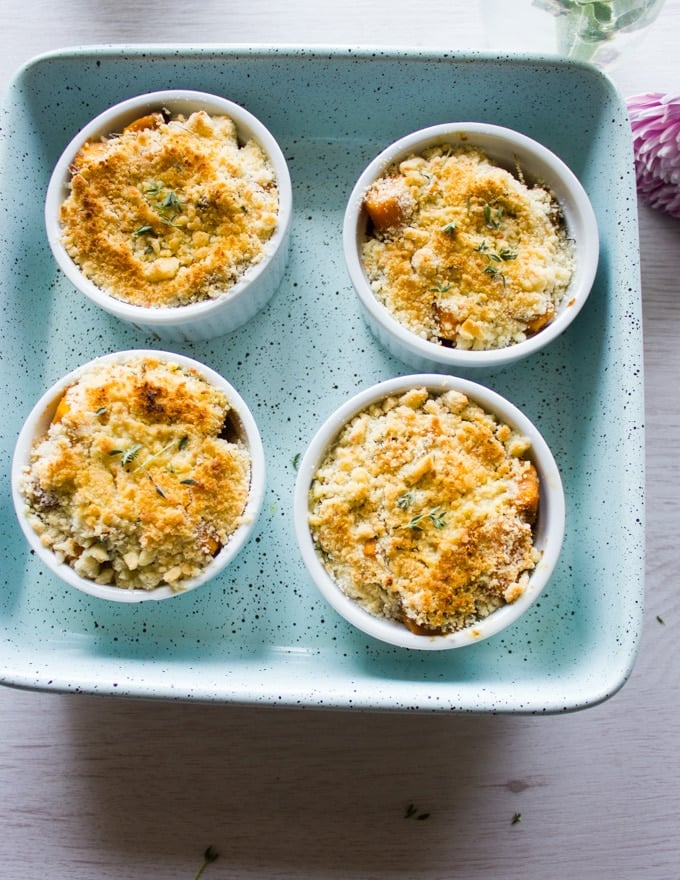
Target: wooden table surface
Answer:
[[103, 788]]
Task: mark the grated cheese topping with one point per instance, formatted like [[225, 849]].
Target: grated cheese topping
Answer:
[[171, 211], [141, 477], [423, 509], [462, 252]]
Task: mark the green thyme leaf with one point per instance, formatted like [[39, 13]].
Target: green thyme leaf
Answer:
[[517, 818], [492, 218], [415, 522], [127, 455], [406, 500], [495, 273], [130, 454], [172, 202], [436, 516]]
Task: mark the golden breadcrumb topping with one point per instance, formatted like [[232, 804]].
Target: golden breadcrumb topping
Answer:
[[423, 509], [171, 211], [141, 477], [464, 253]]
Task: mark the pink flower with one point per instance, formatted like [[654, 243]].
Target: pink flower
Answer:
[[655, 120]]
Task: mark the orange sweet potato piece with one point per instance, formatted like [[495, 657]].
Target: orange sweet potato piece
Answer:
[[447, 324], [60, 411], [209, 544], [388, 203], [151, 120], [528, 495], [540, 321]]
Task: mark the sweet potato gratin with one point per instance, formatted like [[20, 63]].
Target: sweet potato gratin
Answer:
[[462, 252], [423, 511], [170, 211], [141, 477]]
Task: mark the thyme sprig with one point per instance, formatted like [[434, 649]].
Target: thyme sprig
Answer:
[[503, 255], [437, 516], [441, 287], [209, 856], [495, 273], [493, 218], [127, 456], [164, 201], [406, 500], [412, 811], [181, 444]]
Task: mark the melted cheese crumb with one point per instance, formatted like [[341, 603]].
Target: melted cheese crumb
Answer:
[[140, 478], [462, 252], [171, 211], [423, 510]]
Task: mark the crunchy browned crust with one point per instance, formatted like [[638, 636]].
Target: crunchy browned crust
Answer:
[[133, 485], [423, 511], [462, 252], [169, 212]]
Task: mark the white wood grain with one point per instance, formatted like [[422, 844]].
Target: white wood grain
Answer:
[[97, 788]]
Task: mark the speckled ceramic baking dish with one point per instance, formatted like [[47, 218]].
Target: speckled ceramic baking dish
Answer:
[[262, 634]]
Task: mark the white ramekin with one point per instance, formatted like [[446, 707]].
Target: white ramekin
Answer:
[[239, 303], [37, 424], [548, 534], [508, 148]]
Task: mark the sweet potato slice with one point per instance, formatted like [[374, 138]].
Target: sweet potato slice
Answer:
[[538, 322], [151, 120], [528, 494], [61, 410], [389, 203], [447, 324]]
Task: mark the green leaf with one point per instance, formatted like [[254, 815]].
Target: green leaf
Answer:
[[602, 12], [130, 454], [209, 856]]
